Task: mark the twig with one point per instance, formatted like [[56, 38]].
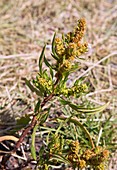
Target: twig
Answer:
[[2, 138], [99, 136], [99, 91], [18, 55], [25, 132], [34, 119], [96, 64]]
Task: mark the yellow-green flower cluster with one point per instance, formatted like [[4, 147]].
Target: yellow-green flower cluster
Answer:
[[82, 164], [96, 157], [65, 66], [75, 90], [74, 147], [79, 30], [71, 51], [55, 145], [43, 84], [74, 156], [60, 49], [70, 47], [82, 88]]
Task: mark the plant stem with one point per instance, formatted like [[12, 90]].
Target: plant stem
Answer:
[[35, 118]]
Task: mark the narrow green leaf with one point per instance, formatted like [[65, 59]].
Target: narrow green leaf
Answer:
[[53, 43], [24, 120], [59, 158], [54, 55], [46, 62], [89, 110], [63, 37], [48, 65], [32, 88], [51, 72], [44, 117], [84, 110], [37, 105], [33, 150], [64, 102], [41, 59]]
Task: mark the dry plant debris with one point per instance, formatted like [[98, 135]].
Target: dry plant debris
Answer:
[[26, 25]]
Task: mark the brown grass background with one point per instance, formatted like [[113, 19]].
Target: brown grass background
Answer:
[[25, 25]]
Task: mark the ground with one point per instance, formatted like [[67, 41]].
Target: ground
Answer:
[[26, 25]]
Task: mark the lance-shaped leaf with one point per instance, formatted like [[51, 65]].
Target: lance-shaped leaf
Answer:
[[37, 107], [33, 150], [84, 110], [41, 59], [51, 72], [89, 110], [78, 123], [59, 158], [48, 65], [43, 117], [46, 62], [32, 88], [54, 55]]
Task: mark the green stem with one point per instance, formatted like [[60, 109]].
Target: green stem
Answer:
[[75, 121], [33, 151]]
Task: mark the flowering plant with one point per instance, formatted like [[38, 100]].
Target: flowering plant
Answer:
[[65, 138]]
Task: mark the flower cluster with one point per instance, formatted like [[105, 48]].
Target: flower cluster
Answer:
[[95, 157], [75, 90], [79, 30], [60, 49], [70, 46], [55, 145], [45, 85], [74, 156]]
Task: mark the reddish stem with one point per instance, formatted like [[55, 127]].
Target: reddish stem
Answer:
[[34, 120]]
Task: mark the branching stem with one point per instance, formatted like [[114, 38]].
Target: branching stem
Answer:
[[35, 118]]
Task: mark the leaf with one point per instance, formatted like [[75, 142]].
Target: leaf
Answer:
[[89, 110], [64, 102], [84, 110], [21, 123], [43, 117], [79, 81], [63, 80], [46, 62], [54, 55], [51, 72], [33, 150], [48, 65], [59, 158], [53, 43], [37, 106], [24, 120], [41, 59], [63, 37], [32, 88]]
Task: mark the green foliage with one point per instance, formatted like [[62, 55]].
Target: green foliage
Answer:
[[66, 137]]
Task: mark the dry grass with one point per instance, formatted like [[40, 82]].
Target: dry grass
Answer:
[[26, 25]]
